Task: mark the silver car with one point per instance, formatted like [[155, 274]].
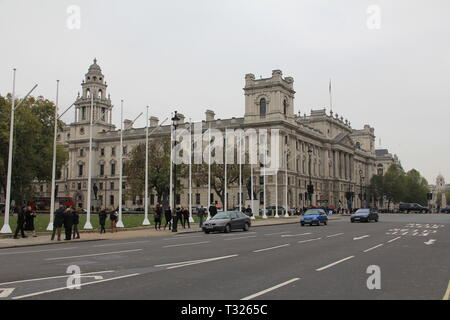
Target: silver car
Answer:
[[227, 221]]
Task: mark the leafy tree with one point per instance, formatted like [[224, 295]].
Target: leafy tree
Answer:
[[33, 145], [394, 184], [416, 188], [376, 188]]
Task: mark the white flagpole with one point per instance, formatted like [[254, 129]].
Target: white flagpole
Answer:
[[225, 205], [251, 191], [331, 100], [171, 169], [191, 219], [6, 228], [209, 170], [120, 222], [146, 221], [53, 195], [286, 214], [88, 224], [264, 182], [240, 171], [276, 194]]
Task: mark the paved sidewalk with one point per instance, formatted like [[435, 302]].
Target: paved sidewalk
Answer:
[[94, 235]]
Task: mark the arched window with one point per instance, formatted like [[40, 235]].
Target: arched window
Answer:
[[262, 107], [99, 94], [88, 93], [285, 106]]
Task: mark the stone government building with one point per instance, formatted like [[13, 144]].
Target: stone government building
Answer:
[[343, 159]]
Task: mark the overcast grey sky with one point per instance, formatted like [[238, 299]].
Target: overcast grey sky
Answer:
[[192, 55]]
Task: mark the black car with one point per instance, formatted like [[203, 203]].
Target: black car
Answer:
[[445, 210], [227, 221], [412, 207], [365, 215]]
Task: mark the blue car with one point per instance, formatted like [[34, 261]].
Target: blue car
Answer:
[[314, 216]]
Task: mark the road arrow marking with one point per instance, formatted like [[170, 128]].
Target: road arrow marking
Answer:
[[431, 241], [362, 237], [6, 292]]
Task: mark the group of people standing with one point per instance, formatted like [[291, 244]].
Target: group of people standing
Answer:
[[25, 221], [69, 218]]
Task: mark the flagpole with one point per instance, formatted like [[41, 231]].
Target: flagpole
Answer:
[[53, 195], [276, 194], [331, 100], [6, 228], [120, 222], [171, 169], [209, 170], [240, 171], [191, 219], [286, 214], [88, 224], [251, 191], [264, 182], [225, 205], [146, 221]]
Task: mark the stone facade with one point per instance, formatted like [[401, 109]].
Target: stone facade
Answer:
[[343, 159]]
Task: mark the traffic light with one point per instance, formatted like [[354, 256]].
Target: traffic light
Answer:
[[429, 196], [310, 189]]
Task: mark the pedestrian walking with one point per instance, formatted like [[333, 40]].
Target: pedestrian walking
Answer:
[[201, 214], [186, 218], [158, 217], [177, 215], [30, 215], [102, 215], [20, 222], [68, 223], [76, 222], [168, 216], [248, 211], [114, 217], [58, 222]]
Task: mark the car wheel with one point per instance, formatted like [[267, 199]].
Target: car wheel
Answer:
[[206, 231], [227, 229], [376, 220], [325, 223], [352, 221], [246, 227], [302, 224]]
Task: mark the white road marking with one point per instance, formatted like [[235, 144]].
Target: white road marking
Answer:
[[295, 235], [370, 249], [57, 277], [361, 237], [335, 235], [431, 241], [93, 255], [231, 234], [119, 244], [180, 265], [272, 234], [266, 249], [186, 244], [334, 263], [240, 238], [392, 240], [309, 240], [6, 292], [270, 289], [185, 237], [447, 293], [36, 251], [66, 287]]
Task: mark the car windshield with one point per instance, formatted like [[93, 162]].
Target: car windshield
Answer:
[[313, 211], [363, 211], [222, 215]]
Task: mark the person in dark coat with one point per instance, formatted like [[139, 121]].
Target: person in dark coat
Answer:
[[30, 215], [213, 209], [114, 217], [168, 216], [68, 223], [201, 214], [102, 215], [158, 217], [248, 211], [76, 222], [177, 216], [58, 222], [186, 218], [20, 222]]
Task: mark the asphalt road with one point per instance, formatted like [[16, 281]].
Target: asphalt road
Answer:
[[280, 262]]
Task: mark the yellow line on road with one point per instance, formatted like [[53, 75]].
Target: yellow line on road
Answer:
[[447, 293]]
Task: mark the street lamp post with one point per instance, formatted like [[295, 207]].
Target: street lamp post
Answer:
[[175, 122], [310, 186], [361, 187]]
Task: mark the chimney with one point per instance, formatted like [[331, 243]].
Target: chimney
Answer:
[[154, 121], [210, 115]]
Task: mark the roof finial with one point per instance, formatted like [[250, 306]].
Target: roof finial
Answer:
[[95, 60]]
